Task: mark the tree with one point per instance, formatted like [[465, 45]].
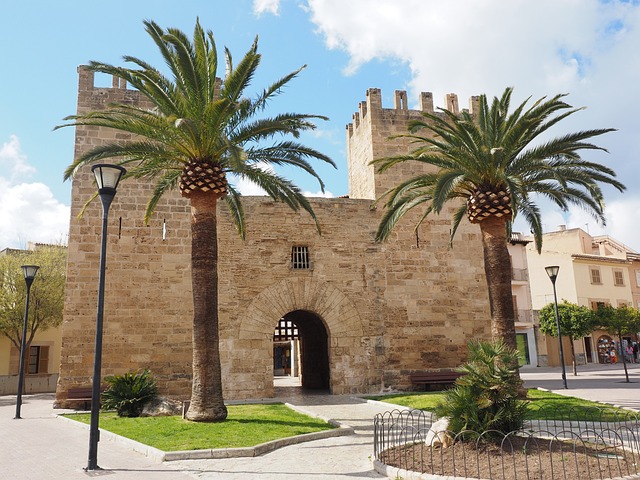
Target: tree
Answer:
[[619, 321], [487, 160], [46, 296], [202, 129], [576, 322]]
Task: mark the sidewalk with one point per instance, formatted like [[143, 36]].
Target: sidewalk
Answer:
[[40, 446], [596, 382]]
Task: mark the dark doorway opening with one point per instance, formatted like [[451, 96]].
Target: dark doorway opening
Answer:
[[301, 349]]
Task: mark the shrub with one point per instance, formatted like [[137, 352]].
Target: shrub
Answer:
[[128, 393], [486, 397]]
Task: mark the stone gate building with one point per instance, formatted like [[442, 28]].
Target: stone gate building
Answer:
[[367, 314]]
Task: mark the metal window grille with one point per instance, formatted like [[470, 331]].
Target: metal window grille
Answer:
[[285, 330], [300, 257]]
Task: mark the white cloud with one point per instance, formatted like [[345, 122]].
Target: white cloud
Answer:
[[622, 214], [28, 211], [13, 160], [623, 218], [266, 6], [320, 193], [586, 48]]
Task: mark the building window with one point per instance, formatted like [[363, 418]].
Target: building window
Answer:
[[38, 360], [597, 304], [300, 258], [638, 278], [618, 278], [595, 276]]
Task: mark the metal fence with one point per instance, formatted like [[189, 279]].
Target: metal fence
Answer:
[[571, 444]]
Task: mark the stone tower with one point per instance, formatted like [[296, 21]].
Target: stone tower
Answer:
[[368, 314]]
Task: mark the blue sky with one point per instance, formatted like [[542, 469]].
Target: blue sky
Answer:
[[587, 49]]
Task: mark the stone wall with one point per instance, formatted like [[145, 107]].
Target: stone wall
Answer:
[[388, 308]]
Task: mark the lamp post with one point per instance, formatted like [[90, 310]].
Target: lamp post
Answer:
[[553, 275], [29, 274], [107, 178]]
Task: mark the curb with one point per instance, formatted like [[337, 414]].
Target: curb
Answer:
[[219, 453]]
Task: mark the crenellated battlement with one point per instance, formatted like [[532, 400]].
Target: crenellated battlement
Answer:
[[86, 80], [376, 132], [91, 97], [373, 106]]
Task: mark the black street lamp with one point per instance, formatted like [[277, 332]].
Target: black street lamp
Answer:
[[107, 178], [553, 275], [29, 274]]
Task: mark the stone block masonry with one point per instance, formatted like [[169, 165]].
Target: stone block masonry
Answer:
[[384, 310]]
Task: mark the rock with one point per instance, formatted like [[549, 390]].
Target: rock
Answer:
[[161, 407], [438, 435]]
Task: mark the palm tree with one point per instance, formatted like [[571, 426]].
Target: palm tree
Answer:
[[489, 161], [200, 130]]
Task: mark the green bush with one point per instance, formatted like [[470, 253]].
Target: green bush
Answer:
[[486, 397], [128, 393]]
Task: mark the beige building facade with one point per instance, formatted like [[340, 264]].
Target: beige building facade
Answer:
[[594, 270], [43, 362], [366, 314], [521, 292]]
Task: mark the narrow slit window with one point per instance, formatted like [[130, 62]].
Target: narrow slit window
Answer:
[[300, 258]]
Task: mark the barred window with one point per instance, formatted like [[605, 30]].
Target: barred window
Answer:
[[300, 257], [286, 330]]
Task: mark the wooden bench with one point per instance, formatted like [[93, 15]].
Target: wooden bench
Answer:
[[440, 377], [82, 394]]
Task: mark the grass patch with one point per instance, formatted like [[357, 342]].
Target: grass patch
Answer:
[[246, 426], [542, 405], [418, 400]]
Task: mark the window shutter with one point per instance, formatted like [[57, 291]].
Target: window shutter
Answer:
[[43, 361]]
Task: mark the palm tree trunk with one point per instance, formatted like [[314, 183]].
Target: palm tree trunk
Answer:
[[497, 266], [207, 404]]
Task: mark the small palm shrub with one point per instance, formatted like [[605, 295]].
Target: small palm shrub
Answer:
[[486, 397], [128, 393]]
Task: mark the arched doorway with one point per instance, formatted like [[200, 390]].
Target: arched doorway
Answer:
[[301, 349]]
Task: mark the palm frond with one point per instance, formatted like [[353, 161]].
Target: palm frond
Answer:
[[236, 210], [494, 149]]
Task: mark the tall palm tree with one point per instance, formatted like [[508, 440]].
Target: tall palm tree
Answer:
[[490, 162], [201, 129]]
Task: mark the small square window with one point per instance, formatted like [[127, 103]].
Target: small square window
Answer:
[[595, 276], [300, 257]]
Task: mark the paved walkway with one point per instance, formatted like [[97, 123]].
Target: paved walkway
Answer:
[[599, 383], [41, 446]]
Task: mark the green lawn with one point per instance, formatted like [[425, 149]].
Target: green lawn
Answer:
[[543, 405], [246, 426]]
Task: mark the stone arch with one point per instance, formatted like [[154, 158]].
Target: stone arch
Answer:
[[253, 347], [330, 304]]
